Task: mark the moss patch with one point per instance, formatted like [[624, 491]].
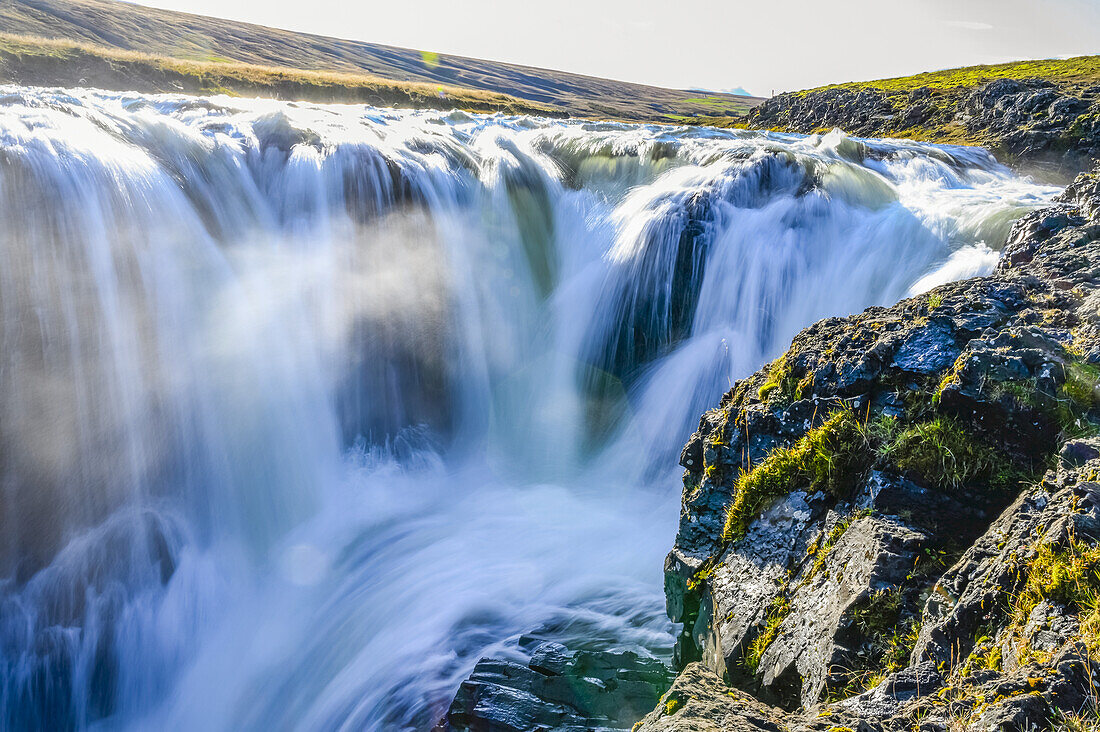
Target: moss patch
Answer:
[[776, 614], [779, 379], [828, 457], [1069, 576]]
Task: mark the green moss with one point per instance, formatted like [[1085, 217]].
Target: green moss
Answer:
[[779, 378], [805, 386], [935, 301], [828, 458], [777, 613], [949, 378]]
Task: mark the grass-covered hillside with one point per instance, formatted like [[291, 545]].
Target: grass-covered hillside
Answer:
[[44, 62], [196, 39], [1070, 74]]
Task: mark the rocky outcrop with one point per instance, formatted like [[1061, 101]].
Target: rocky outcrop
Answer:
[[699, 701], [896, 524], [557, 689], [1030, 121]]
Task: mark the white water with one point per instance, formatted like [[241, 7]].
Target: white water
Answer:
[[304, 408]]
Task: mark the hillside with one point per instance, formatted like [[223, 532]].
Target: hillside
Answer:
[[42, 62], [1044, 113], [205, 40]]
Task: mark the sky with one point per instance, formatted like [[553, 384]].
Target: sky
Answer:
[[761, 46]]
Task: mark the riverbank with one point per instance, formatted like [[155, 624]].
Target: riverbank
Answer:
[[1039, 116]]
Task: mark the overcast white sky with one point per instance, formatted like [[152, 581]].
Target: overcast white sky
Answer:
[[716, 44]]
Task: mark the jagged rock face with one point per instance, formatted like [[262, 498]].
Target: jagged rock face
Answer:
[[1022, 120], [864, 521]]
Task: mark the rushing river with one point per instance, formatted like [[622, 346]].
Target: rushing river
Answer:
[[305, 408]]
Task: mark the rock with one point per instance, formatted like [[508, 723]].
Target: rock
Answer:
[[558, 689], [1076, 453], [1027, 120], [1017, 714], [896, 503], [821, 633], [700, 702]]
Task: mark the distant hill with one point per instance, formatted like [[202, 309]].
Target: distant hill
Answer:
[[205, 40]]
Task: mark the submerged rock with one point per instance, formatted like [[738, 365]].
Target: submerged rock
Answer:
[[558, 689]]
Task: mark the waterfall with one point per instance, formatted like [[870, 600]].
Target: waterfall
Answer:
[[305, 408]]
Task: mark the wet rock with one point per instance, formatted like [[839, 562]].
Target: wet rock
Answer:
[[874, 582], [558, 689]]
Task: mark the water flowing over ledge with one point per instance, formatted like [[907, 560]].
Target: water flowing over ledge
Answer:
[[305, 408]]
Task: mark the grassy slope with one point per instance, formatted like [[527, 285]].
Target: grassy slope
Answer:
[[118, 25], [1072, 74], [44, 62]]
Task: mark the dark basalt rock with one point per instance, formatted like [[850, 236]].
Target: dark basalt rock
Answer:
[[886, 601], [700, 702]]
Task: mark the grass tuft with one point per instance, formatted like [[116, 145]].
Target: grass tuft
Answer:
[[945, 455]]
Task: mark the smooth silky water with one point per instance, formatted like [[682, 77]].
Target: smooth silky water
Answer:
[[305, 408]]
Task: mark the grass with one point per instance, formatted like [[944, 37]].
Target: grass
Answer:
[[1069, 576], [42, 61], [889, 641], [1087, 720], [777, 612], [1082, 385], [123, 26], [828, 457], [831, 457], [945, 455], [1074, 73], [938, 110]]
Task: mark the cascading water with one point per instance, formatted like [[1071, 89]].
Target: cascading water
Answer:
[[304, 408]]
